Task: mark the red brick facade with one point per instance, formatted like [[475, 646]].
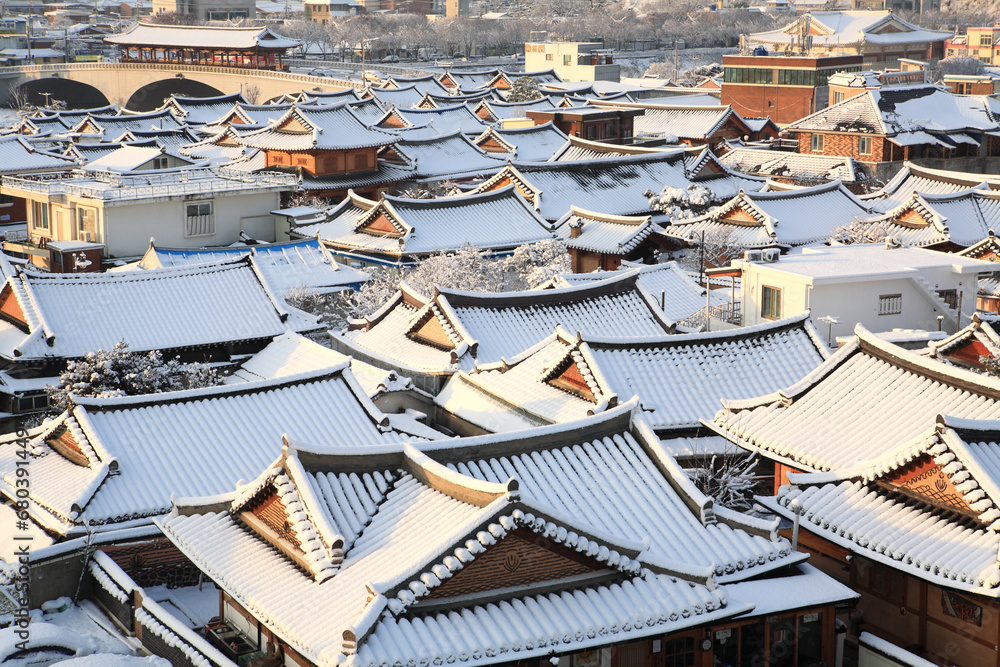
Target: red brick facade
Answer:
[[784, 104]]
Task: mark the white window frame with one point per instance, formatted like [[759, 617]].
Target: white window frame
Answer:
[[890, 304], [199, 223], [816, 142], [861, 145], [765, 303]]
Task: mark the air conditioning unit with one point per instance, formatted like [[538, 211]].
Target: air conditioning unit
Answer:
[[753, 255], [86, 236], [771, 255]]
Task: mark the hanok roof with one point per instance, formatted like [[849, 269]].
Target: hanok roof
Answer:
[[788, 217], [17, 156], [862, 404], [202, 37], [916, 179], [202, 110], [293, 354], [450, 155], [678, 379], [305, 264], [761, 162], [406, 97], [415, 556], [968, 346], [67, 316], [90, 470], [576, 149], [537, 143], [114, 125], [962, 218], [413, 331], [929, 508], [446, 118], [425, 84], [906, 115], [612, 185], [677, 296], [693, 122], [491, 111], [603, 233], [842, 29], [304, 128], [399, 227]]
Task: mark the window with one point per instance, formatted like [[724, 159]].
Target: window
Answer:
[[886, 582], [678, 652], [865, 145], [361, 161], [548, 56], [816, 144], [567, 60], [949, 296], [890, 304], [838, 96], [985, 40], [41, 220], [160, 162], [200, 220], [770, 303]]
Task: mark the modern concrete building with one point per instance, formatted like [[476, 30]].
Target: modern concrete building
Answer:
[[573, 61]]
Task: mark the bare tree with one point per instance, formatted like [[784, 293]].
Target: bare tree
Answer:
[[862, 231], [252, 93]]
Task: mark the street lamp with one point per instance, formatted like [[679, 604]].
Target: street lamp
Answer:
[[364, 78]]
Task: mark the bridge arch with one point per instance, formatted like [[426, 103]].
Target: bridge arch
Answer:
[[76, 94], [153, 95]]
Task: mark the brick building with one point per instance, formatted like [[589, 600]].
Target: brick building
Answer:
[[880, 126], [609, 125], [785, 88]]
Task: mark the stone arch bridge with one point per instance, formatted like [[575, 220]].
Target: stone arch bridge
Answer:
[[144, 86]]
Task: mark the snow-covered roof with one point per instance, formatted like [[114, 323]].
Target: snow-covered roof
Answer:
[[537, 143], [112, 126], [130, 158], [695, 122], [613, 185], [452, 154], [869, 261], [291, 354], [18, 156], [305, 264], [403, 228], [676, 295], [429, 516], [604, 233], [203, 110], [847, 29], [69, 315], [204, 37], [762, 162], [464, 328], [861, 405], [678, 379], [304, 128], [963, 218], [576, 149], [908, 115], [913, 178], [930, 508], [89, 466], [788, 217], [445, 119]]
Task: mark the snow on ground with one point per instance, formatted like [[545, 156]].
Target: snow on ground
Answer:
[[109, 660], [79, 630], [189, 605]]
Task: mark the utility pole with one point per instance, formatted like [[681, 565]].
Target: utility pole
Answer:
[[675, 61]]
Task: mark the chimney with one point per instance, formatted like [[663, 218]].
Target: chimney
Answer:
[[575, 228]]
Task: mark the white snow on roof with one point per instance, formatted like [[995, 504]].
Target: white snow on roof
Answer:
[[305, 264], [70, 315], [207, 37]]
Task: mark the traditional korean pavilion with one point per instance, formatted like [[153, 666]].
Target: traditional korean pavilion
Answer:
[[251, 48]]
